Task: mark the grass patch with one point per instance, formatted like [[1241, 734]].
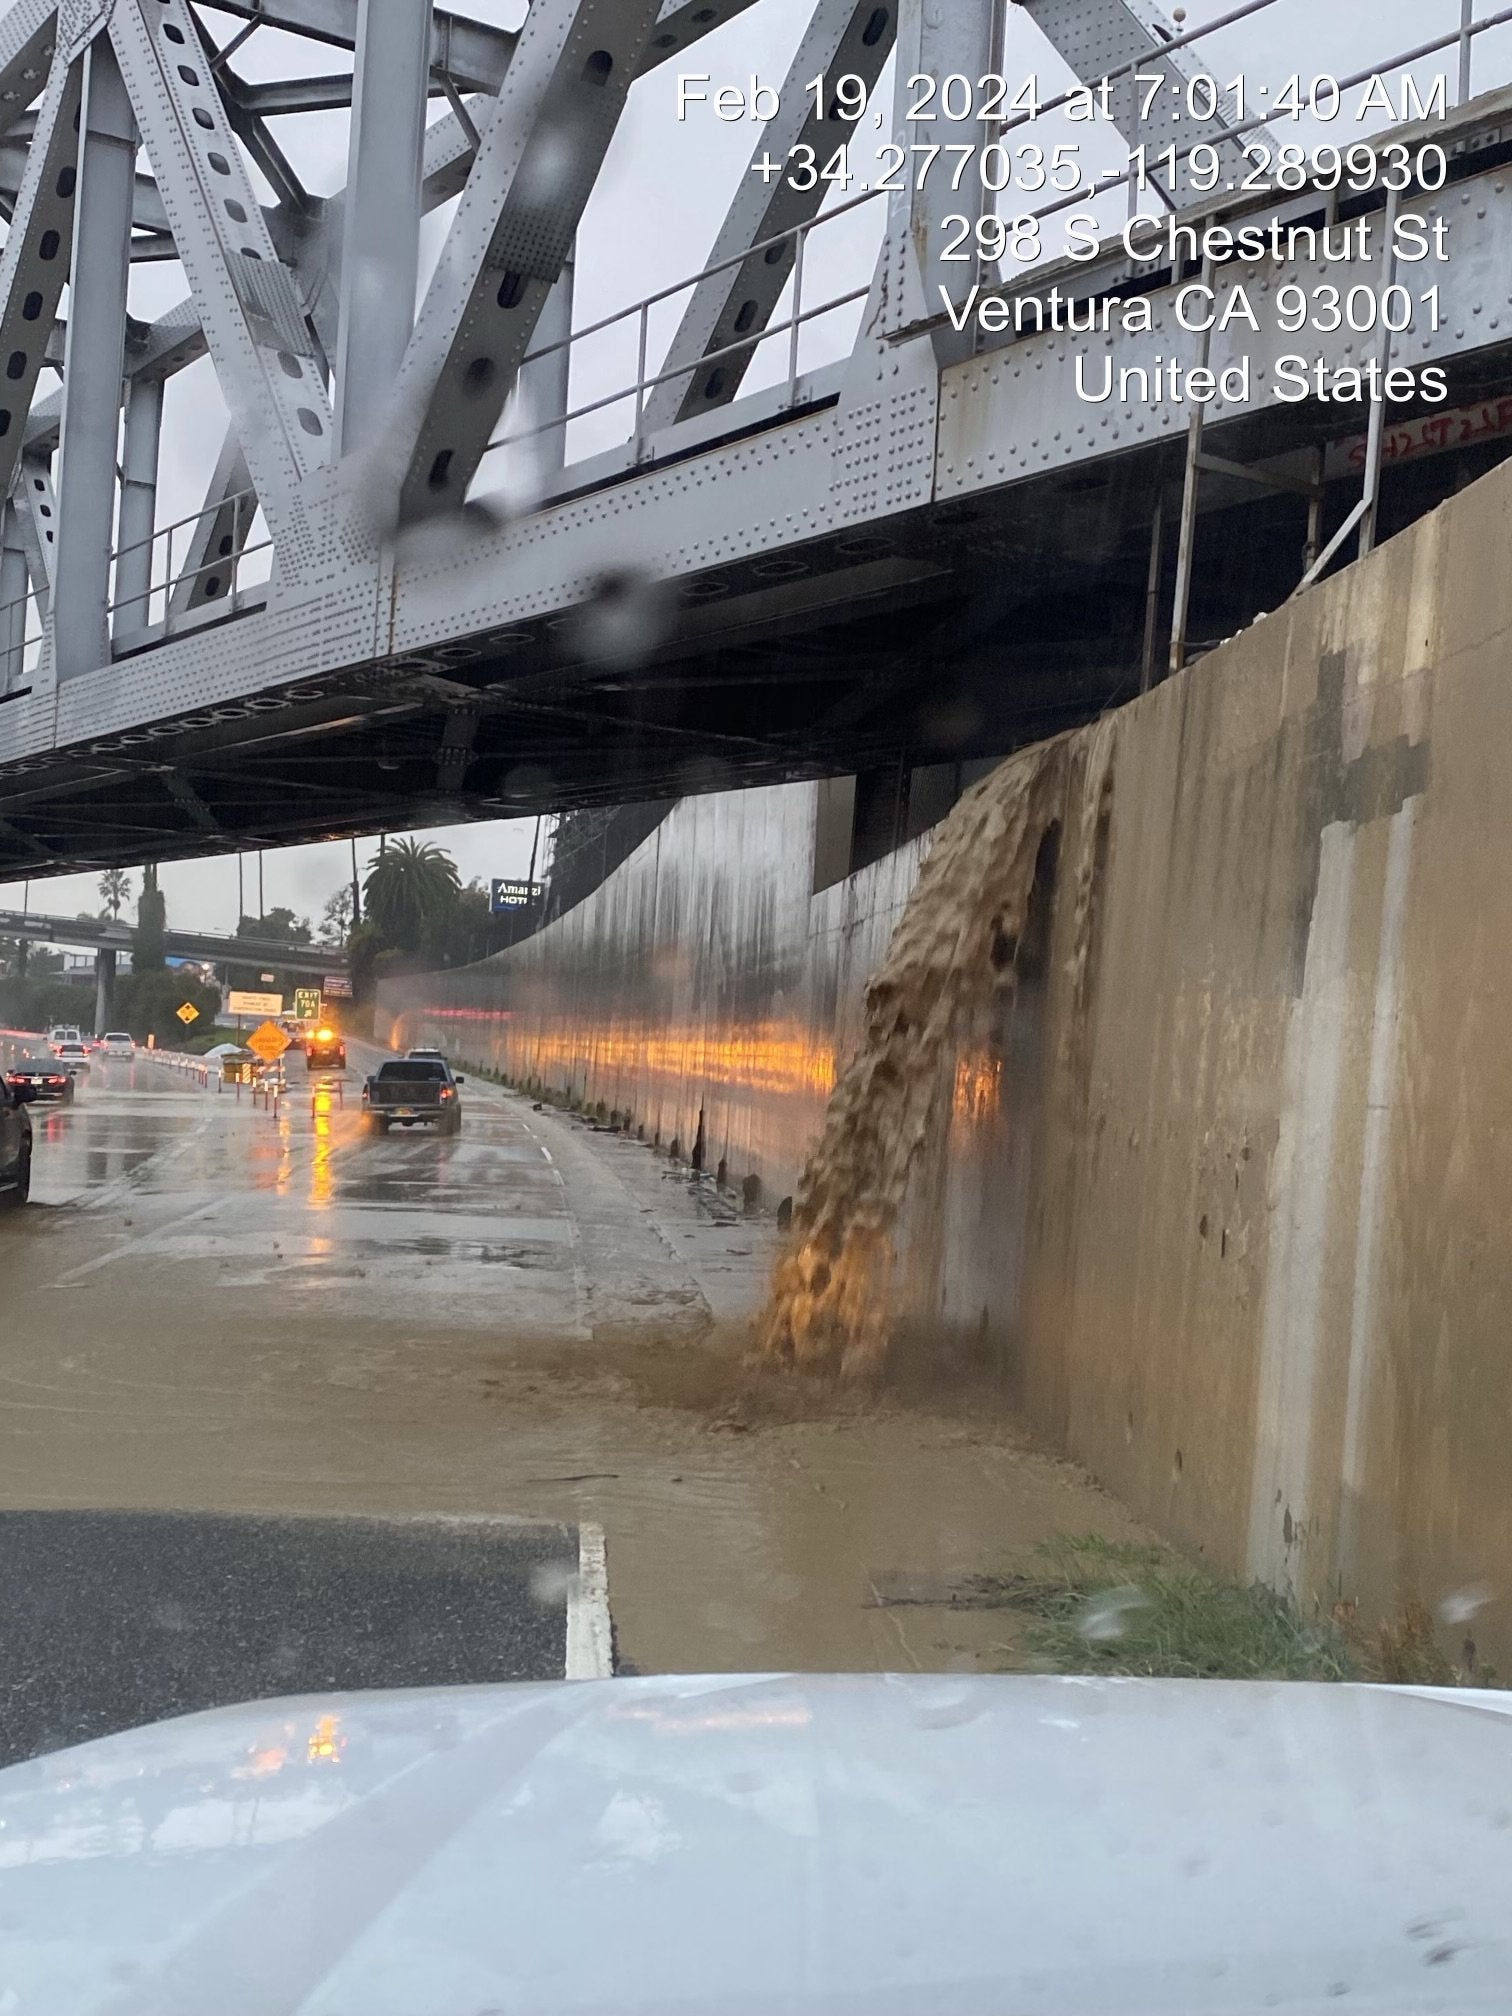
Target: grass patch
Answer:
[[1101, 1606]]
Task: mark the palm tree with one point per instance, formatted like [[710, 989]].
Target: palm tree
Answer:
[[115, 887], [409, 889]]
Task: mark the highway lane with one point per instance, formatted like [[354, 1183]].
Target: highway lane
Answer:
[[214, 1309]]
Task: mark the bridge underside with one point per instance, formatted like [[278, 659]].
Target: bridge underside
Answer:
[[949, 634], [926, 551]]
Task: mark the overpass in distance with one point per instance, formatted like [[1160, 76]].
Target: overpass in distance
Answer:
[[105, 934], [924, 551]]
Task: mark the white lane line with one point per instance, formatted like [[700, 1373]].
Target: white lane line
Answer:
[[590, 1643], [130, 1246]]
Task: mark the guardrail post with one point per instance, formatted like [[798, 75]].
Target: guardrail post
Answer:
[[1466, 51], [1375, 441], [640, 382], [1187, 536], [800, 245]]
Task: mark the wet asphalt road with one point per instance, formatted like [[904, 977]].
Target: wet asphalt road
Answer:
[[213, 1310], [117, 1617]]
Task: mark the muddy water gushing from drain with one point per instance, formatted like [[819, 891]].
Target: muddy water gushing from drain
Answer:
[[955, 952]]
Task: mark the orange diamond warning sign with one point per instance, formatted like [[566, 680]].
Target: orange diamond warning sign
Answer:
[[268, 1041]]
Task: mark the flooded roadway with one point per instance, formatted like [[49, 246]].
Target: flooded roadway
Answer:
[[215, 1308]]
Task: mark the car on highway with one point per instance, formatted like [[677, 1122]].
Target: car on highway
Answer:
[[325, 1049], [15, 1140], [50, 1083], [413, 1092], [427, 1056], [74, 1058], [116, 1043], [63, 1032]]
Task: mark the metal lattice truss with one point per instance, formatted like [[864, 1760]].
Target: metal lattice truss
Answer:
[[337, 639]]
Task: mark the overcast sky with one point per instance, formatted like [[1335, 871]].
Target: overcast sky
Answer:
[[652, 220]]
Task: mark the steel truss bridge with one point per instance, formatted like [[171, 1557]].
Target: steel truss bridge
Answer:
[[793, 562]]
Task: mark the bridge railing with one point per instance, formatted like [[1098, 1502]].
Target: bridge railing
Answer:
[[637, 319], [806, 302], [23, 624], [179, 578], [168, 581]]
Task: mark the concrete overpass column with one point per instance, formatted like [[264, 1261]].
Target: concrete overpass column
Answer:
[[92, 367], [381, 261], [105, 975], [138, 515]]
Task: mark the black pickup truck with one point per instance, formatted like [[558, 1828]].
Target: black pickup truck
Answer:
[[413, 1092]]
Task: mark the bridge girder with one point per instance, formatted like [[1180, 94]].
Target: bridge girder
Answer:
[[804, 538]]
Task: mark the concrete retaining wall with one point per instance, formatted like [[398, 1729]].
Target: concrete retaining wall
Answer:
[[1230, 1194]]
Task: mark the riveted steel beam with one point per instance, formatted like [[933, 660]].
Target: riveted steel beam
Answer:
[[845, 37], [253, 318], [535, 169], [545, 382], [381, 243], [28, 34], [92, 368], [12, 598], [295, 94], [474, 55], [34, 266], [939, 42], [153, 349], [205, 570], [37, 519], [183, 794], [147, 212], [276, 166], [1097, 37], [138, 513]]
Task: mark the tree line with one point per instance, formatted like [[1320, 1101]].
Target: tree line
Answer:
[[412, 912]]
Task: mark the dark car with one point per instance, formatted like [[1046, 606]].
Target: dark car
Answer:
[[47, 1077], [413, 1092], [325, 1049], [15, 1140]]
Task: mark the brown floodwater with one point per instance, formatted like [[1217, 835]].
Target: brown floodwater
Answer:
[[953, 961], [213, 1309]]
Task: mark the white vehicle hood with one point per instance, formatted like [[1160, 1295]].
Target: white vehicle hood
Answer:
[[877, 1845]]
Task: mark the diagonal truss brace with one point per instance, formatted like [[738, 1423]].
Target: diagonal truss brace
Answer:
[[472, 54], [845, 37], [27, 38], [219, 535], [34, 266], [1096, 37], [37, 522], [535, 169], [253, 320]]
